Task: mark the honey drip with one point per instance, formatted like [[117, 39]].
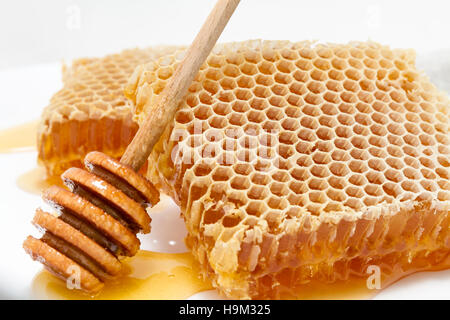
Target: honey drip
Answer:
[[35, 180], [150, 275], [18, 138]]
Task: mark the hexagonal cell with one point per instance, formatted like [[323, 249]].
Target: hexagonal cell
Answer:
[[184, 116], [300, 174], [290, 124], [261, 92], [298, 188], [357, 180], [281, 176], [339, 169], [222, 174], [360, 142], [345, 119], [240, 183], [228, 83], [279, 189], [317, 184], [277, 101], [248, 68], [351, 86], [320, 171], [256, 208], [274, 113], [202, 112], [245, 82], [237, 119], [266, 67], [256, 116], [218, 122], [258, 104], [285, 151], [393, 175], [336, 195], [292, 112], [222, 109], [307, 135], [282, 78], [231, 221], [211, 86], [428, 140], [214, 74], [260, 178], [392, 189], [321, 157], [279, 90], [277, 203], [359, 154], [354, 192], [297, 88], [328, 121], [257, 193], [409, 150], [287, 138], [325, 133]]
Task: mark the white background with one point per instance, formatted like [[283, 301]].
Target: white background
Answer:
[[36, 36], [51, 30]]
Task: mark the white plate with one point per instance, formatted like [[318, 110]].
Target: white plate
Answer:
[[17, 207]]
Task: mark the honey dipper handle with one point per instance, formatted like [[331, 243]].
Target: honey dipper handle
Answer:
[[166, 105]]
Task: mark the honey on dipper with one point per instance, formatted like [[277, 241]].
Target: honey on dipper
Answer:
[[106, 205], [97, 222]]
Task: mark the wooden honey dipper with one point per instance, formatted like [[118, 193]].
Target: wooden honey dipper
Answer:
[[106, 205]]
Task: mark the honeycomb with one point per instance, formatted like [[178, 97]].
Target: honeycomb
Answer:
[[90, 112], [300, 161]]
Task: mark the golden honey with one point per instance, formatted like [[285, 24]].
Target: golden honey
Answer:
[[35, 181], [18, 138], [154, 275], [150, 275]]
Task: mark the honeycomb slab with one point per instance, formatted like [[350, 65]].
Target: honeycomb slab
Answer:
[[90, 112], [301, 161]]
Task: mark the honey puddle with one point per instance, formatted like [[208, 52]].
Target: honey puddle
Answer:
[[155, 275], [35, 180], [152, 275], [19, 138]]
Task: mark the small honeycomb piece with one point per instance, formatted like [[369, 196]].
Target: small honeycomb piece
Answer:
[[90, 112], [301, 161]]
